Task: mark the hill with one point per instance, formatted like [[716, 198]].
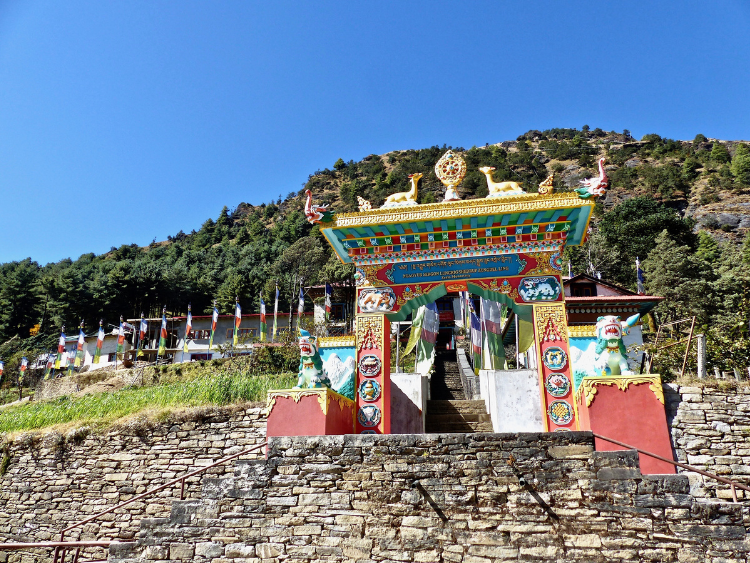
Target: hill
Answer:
[[697, 190]]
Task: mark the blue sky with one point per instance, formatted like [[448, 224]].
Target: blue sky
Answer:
[[122, 122]]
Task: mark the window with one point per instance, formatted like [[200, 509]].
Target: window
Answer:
[[111, 357], [195, 357], [199, 334], [584, 290], [337, 311], [242, 332]]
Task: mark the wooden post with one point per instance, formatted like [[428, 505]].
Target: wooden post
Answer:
[[687, 348]]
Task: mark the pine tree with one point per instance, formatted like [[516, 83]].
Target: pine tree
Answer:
[[672, 271], [741, 164], [719, 153]]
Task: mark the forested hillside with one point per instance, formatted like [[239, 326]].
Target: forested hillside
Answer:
[[697, 191]]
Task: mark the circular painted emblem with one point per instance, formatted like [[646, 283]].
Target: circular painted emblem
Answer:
[[369, 416], [555, 358], [369, 390], [369, 365], [556, 261], [557, 384], [367, 432], [560, 412]]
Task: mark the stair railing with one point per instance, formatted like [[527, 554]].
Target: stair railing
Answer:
[[62, 546], [734, 484]]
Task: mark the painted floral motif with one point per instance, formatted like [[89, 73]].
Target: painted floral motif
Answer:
[[369, 365], [368, 416], [557, 384], [555, 358], [369, 390], [560, 412]]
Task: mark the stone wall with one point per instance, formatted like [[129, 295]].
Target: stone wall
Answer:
[[55, 480], [471, 498], [711, 431]]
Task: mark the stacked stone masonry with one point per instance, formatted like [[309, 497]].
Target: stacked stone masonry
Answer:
[[252, 510], [55, 480], [442, 497]]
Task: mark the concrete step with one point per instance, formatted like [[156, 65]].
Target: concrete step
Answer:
[[453, 407], [441, 418], [459, 428]]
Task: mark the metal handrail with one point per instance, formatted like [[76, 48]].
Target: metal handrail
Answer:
[[180, 480], [734, 484]]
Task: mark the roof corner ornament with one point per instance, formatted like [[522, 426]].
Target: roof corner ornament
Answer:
[[450, 170], [316, 213], [594, 187]]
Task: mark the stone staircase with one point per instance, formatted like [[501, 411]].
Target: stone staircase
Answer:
[[450, 417], [449, 412], [445, 384]]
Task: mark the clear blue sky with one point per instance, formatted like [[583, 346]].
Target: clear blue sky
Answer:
[[122, 122]]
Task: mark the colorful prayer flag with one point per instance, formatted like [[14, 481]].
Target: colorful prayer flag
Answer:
[[143, 330], [71, 359], [640, 279], [214, 321], [22, 369], [329, 292], [493, 328], [300, 308], [99, 343], [476, 341], [275, 313], [263, 325], [120, 338], [163, 334], [79, 346], [424, 331], [2, 367], [50, 363], [60, 348], [188, 328], [237, 320]]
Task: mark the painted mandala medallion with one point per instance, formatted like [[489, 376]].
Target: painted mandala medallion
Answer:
[[560, 412], [555, 358], [369, 416], [369, 390], [369, 365], [557, 384]]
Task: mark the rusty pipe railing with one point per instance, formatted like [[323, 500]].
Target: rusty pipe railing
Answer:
[[181, 479], [734, 484]]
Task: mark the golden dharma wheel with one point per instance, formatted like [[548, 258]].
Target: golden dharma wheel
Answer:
[[450, 169]]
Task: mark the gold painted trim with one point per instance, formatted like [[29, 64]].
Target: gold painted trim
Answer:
[[588, 385], [324, 396], [582, 331], [459, 209], [337, 341]]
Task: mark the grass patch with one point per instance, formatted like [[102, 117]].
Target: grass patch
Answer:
[[107, 407]]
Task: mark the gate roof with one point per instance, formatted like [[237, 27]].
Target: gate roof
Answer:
[[490, 226]]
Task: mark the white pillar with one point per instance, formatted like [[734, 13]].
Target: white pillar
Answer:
[[701, 356]]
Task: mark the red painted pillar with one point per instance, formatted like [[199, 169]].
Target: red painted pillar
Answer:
[[373, 391], [555, 372]]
